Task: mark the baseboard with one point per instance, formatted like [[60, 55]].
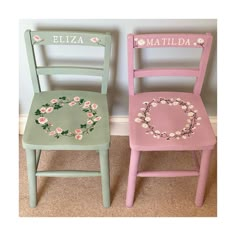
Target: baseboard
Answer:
[[118, 124]]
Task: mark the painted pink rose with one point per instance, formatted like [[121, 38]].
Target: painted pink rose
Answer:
[[94, 106], [42, 120], [52, 133], [72, 103], [89, 114], [54, 100], [43, 110], [87, 103], [89, 122], [37, 38], [78, 136], [49, 109], [78, 131], [59, 130], [94, 40], [77, 99], [97, 118]]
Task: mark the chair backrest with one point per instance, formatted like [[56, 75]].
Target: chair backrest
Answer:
[[39, 38], [203, 41]]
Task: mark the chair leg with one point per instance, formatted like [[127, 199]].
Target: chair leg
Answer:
[[202, 180], [32, 179], [133, 169], [104, 165]]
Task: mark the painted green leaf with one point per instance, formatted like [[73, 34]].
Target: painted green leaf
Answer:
[[81, 100], [57, 106], [83, 126], [36, 121], [91, 129], [63, 98], [85, 110], [65, 132], [45, 126], [37, 112]]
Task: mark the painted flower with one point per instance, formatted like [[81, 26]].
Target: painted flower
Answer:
[[135, 39], [89, 114], [59, 130], [154, 104], [157, 131], [190, 114], [87, 103], [72, 103], [42, 120], [89, 122], [78, 131], [54, 101], [172, 134], [97, 118], [78, 136], [144, 125], [184, 137], [184, 107], [147, 119], [175, 103], [94, 106], [141, 42], [94, 40], [37, 38], [200, 41], [178, 132], [76, 99], [163, 102], [199, 118], [52, 133], [138, 120], [43, 110], [140, 114], [49, 109]]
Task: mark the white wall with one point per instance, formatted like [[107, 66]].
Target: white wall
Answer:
[[118, 87]]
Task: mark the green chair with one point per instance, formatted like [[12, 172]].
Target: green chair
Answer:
[[67, 119]]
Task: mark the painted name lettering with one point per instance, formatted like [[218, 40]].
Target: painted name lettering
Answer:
[[168, 42], [70, 39]]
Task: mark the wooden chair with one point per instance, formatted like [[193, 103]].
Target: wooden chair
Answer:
[[169, 121], [67, 119]]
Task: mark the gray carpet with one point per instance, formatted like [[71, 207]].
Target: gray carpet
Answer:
[[81, 197]]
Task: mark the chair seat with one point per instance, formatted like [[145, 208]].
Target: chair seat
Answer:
[[68, 120], [169, 121]]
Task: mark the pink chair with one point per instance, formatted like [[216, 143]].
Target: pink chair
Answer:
[[169, 121]]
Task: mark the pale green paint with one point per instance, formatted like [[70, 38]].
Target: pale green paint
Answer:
[[68, 173], [35, 139], [59, 70], [68, 38]]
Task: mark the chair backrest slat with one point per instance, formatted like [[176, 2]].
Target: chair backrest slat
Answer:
[[166, 72], [61, 70], [94, 39], [203, 41]]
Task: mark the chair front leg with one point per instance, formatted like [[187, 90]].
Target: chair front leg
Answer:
[[104, 166], [202, 180], [133, 170], [32, 179]]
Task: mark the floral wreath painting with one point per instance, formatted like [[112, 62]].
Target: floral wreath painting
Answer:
[[55, 104], [143, 117]]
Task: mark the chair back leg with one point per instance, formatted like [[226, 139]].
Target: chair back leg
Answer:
[[32, 179], [104, 166], [202, 180], [133, 170]]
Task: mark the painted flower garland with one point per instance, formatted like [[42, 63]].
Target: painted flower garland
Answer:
[[55, 104], [192, 119]]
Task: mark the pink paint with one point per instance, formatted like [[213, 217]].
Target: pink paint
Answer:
[[170, 121]]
